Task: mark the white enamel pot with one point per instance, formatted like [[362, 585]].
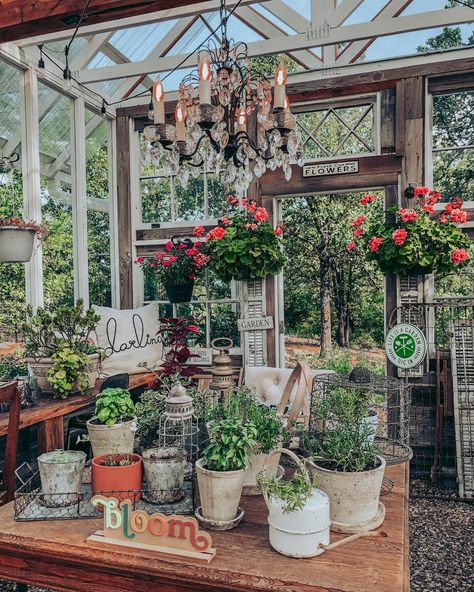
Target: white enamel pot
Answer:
[[16, 244], [298, 533]]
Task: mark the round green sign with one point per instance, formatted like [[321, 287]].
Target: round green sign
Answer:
[[405, 346]]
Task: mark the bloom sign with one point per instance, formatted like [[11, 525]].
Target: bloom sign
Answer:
[[405, 346]]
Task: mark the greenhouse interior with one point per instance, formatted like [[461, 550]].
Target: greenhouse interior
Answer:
[[237, 296]]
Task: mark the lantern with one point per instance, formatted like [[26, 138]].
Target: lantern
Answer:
[[222, 371]]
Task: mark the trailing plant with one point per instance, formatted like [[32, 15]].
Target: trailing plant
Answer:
[[293, 493], [61, 456], [69, 370], [182, 262], [40, 231], [413, 241], [113, 405], [244, 245], [51, 327], [229, 442]]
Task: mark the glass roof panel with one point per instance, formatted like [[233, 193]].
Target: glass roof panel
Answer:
[[100, 61], [366, 11], [273, 19], [10, 99], [137, 43], [56, 48], [301, 6]]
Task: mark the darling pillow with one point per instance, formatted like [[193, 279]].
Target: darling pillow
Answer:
[[128, 338]]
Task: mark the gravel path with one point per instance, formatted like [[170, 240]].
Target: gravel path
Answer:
[[441, 547]]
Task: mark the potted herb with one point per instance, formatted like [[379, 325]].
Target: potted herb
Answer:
[[298, 512], [61, 477], [117, 475], [221, 471], [413, 241], [345, 462], [245, 246], [59, 348], [164, 473], [177, 268], [112, 428], [17, 239]]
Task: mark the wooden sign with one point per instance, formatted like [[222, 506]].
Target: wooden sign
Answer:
[[255, 324], [163, 535], [330, 168]]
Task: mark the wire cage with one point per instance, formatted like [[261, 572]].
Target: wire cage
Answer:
[[384, 409], [442, 410], [178, 426]]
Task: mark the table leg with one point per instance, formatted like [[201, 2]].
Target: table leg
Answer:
[[51, 434]]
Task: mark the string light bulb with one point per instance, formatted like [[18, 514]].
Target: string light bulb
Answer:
[[103, 109], [40, 62]]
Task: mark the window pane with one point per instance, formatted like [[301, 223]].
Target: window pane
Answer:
[[224, 322], [156, 200], [190, 201], [453, 120]]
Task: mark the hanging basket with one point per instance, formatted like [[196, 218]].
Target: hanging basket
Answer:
[[179, 293], [16, 244]]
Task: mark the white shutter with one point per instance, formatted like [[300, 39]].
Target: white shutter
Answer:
[[253, 306]]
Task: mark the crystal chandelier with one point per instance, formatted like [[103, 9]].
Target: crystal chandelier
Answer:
[[226, 120]]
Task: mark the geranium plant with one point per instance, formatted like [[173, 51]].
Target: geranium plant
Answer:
[[411, 240], [40, 231], [244, 246]]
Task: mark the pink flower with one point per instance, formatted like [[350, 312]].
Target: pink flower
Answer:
[[359, 220], [358, 232], [139, 260], [399, 236], [261, 215], [166, 262], [278, 231], [191, 277], [458, 216], [427, 208], [199, 231], [443, 219], [182, 246], [192, 329], [252, 206], [408, 215], [225, 220], [172, 258], [191, 252], [217, 233], [169, 246], [351, 245], [421, 191], [251, 226], [197, 244], [369, 198], [374, 243], [200, 260], [208, 237], [459, 255], [232, 200]]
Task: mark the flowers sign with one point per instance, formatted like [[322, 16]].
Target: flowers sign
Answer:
[[245, 246], [411, 241], [177, 267]]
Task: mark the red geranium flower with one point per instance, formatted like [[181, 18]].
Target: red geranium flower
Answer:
[[399, 236], [374, 243], [458, 216], [359, 220], [169, 246], [459, 255], [358, 232], [217, 233], [351, 245], [139, 259], [225, 220], [278, 230], [232, 200], [421, 191], [261, 215], [408, 215], [369, 198], [199, 231]]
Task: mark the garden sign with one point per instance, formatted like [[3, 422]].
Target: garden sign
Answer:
[[405, 346], [138, 530]]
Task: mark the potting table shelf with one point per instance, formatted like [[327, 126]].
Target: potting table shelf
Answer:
[[55, 554]]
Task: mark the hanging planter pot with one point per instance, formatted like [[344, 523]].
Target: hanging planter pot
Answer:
[[179, 293], [16, 244]]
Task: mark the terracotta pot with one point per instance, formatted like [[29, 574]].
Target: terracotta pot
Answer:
[[119, 481], [116, 439], [179, 293], [219, 492], [40, 368], [16, 244]]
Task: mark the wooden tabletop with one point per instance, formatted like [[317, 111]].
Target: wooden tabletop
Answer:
[[55, 554]]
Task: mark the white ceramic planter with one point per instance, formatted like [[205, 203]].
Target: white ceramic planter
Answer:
[[40, 368], [353, 497], [16, 244], [255, 466], [117, 439], [61, 477], [219, 492], [164, 473]]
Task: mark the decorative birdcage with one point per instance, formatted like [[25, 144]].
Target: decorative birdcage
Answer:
[[178, 426], [382, 406]]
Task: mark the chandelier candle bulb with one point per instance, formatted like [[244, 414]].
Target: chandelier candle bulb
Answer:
[[158, 102], [279, 90], [205, 79], [180, 116]]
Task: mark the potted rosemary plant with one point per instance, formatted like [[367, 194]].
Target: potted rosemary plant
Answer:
[[59, 349]]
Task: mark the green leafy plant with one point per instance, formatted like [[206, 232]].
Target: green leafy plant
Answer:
[[12, 366], [293, 493], [229, 442], [411, 241], [118, 460], [113, 405], [52, 327], [245, 245], [69, 370], [61, 456]]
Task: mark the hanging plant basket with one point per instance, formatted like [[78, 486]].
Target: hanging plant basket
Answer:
[[16, 244], [179, 293]]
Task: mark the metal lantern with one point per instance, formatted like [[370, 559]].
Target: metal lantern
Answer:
[[178, 427], [222, 372]]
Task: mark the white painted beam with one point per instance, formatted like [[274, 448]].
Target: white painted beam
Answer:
[[343, 11], [382, 27], [288, 15], [135, 21]]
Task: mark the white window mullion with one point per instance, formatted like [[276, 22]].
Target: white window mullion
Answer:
[[79, 202], [31, 183]]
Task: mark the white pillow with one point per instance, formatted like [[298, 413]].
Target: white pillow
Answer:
[[128, 337]]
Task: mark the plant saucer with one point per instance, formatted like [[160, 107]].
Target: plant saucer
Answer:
[[371, 524], [219, 524]]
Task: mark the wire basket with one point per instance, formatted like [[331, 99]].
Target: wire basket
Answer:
[[31, 504], [388, 403]]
